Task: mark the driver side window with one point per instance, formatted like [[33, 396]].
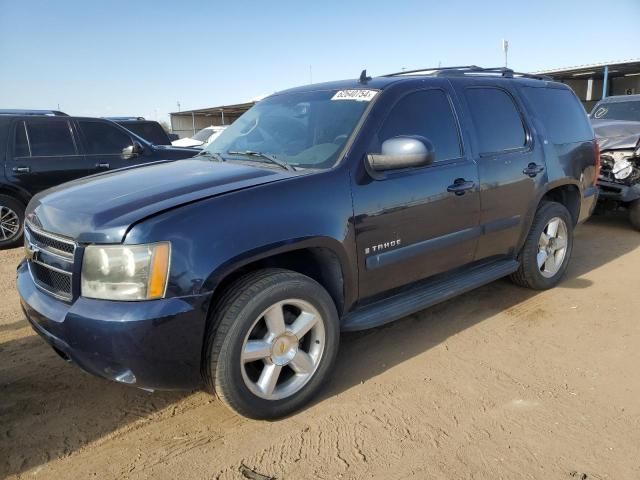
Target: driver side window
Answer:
[[103, 138], [426, 113]]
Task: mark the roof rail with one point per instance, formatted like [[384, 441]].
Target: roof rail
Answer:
[[119, 119], [52, 113], [470, 70]]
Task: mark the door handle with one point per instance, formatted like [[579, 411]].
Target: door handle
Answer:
[[533, 169], [460, 186], [21, 169], [102, 165]]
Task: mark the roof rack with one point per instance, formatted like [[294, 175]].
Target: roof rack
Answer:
[[51, 113], [119, 119], [470, 70]]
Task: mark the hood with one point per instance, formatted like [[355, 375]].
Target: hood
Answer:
[[616, 134], [101, 208], [176, 148]]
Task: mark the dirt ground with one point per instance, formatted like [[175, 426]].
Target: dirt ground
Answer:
[[501, 383]]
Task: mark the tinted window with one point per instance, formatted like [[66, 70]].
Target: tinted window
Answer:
[[21, 147], [496, 119], [561, 113], [51, 138], [103, 138], [150, 131], [426, 113]]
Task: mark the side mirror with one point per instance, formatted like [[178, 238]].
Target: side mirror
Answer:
[[402, 152], [132, 150]]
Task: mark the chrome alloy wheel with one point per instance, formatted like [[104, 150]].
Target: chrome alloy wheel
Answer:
[[552, 247], [9, 223], [283, 349]]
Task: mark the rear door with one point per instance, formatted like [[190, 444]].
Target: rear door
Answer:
[[44, 154], [511, 167], [107, 145]]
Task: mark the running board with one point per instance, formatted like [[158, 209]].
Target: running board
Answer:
[[423, 296]]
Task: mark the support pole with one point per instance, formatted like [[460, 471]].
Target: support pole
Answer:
[[605, 82], [193, 122]]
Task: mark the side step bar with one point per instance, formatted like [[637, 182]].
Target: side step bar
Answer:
[[423, 296]]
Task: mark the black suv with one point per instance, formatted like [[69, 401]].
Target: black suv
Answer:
[[41, 149], [334, 206], [150, 130]]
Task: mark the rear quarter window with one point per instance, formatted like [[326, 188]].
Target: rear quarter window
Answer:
[[561, 113]]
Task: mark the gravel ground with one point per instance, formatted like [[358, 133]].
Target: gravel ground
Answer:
[[499, 383]]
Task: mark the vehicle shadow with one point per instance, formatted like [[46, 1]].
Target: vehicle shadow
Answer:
[[49, 409], [365, 355]]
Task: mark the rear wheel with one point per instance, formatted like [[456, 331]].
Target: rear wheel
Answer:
[[546, 252], [634, 214], [275, 341], [11, 222]]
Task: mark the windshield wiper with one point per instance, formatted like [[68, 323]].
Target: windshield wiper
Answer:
[[267, 156], [212, 155]]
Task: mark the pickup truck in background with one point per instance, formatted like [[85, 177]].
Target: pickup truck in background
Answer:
[[616, 122]]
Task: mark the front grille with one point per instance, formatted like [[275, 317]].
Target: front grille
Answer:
[[52, 281], [51, 261], [51, 242]]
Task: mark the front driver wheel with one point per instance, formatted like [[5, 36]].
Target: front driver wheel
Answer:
[[274, 341]]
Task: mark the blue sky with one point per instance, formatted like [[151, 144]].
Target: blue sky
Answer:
[[141, 57]]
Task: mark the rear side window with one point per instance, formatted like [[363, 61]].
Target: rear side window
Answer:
[[50, 138], [561, 113], [103, 138], [496, 119], [426, 113], [21, 148]]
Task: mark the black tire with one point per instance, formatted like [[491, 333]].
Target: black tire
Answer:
[[17, 207], [634, 214], [529, 275], [240, 306]]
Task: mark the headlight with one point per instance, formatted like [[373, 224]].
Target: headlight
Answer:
[[125, 272], [622, 169]]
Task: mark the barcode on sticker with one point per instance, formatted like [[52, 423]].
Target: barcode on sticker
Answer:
[[358, 95]]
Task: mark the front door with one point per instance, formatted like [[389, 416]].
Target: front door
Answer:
[[412, 224], [108, 146]]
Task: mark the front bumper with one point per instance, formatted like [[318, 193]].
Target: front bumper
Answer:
[[619, 192], [152, 344]]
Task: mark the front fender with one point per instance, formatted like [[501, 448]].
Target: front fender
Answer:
[[214, 237]]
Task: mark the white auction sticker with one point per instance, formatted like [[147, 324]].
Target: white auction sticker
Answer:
[[357, 95]]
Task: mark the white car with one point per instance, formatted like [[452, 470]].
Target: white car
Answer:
[[201, 138]]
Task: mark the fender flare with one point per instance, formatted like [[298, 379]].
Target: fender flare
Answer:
[[231, 265]]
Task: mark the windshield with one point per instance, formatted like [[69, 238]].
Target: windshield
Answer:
[[618, 111], [305, 129]]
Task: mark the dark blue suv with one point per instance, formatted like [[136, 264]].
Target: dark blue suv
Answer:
[[336, 206]]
